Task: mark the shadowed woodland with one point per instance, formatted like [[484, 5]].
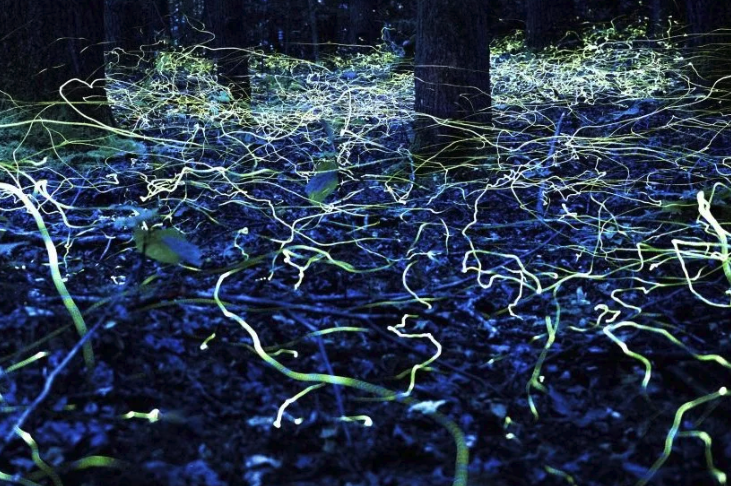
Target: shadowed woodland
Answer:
[[365, 243]]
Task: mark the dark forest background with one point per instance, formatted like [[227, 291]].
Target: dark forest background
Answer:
[[365, 242]]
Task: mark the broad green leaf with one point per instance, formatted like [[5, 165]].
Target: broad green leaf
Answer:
[[324, 182], [677, 208], [167, 246], [221, 97]]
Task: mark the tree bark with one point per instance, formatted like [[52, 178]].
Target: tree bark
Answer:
[[547, 21], [186, 19], [44, 44], [658, 22], [710, 49], [363, 28], [227, 21], [130, 24], [451, 73], [133, 27], [312, 10]]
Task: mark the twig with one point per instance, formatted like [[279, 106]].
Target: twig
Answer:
[[328, 367], [551, 151], [47, 387]]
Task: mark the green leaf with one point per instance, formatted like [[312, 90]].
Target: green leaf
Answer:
[[167, 246], [324, 182], [221, 97], [328, 131], [677, 208]]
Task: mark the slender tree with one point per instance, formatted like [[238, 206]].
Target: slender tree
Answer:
[[186, 21], [660, 11], [133, 27], [363, 28], [228, 21], [130, 24], [44, 44], [329, 25], [314, 38], [547, 21], [452, 70], [710, 43]]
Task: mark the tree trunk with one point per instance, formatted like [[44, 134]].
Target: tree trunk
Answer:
[[44, 44], [312, 10], [547, 21], [133, 27], [632, 9], [328, 28], [130, 24], [660, 11], [186, 21], [227, 20], [451, 74], [709, 51], [363, 28], [288, 30]]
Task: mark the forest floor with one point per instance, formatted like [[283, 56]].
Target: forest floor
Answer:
[[562, 298]]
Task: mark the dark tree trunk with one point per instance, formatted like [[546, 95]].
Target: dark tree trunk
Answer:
[[312, 10], [452, 70], [131, 24], [659, 18], [44, 44], [547, 21], [632, 9], [287, 33], [329, 30], [228, 21], [709, 48], [186, 22], [133, 27], [660, 11], [363, 27]]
